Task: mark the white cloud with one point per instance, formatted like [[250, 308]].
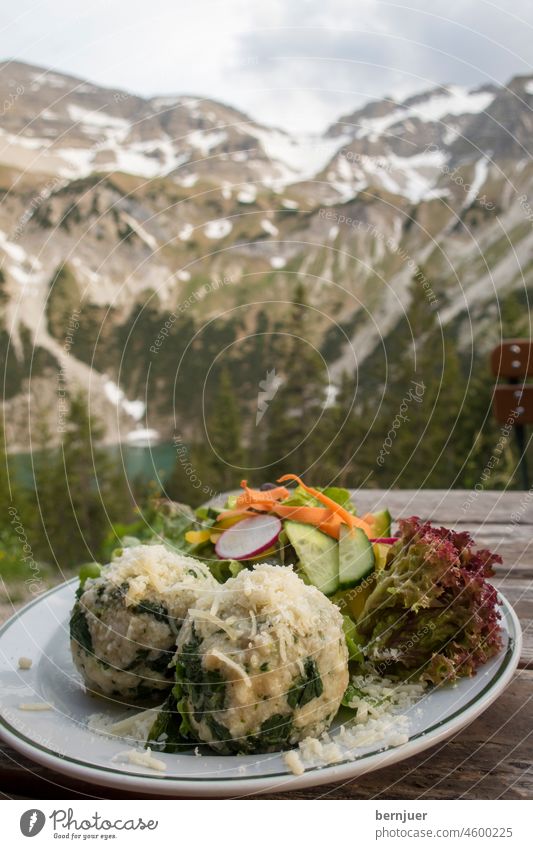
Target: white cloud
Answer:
[[297, 64]]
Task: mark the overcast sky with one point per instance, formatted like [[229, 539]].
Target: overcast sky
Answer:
[[298, 64]]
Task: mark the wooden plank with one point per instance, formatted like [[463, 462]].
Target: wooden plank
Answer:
[[519, 593], [513, 404], [21, 777], [453, 506], [512, 359]]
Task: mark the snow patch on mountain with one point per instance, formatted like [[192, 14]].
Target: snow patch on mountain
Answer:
[[185, 232], [302, 155], [115, 394], [218, 229], [413, 177], [187, 181], [481, 170], [455, 100], [148, 159], [143, 235], [13, 250], [97, 118], [247, 195], [269, 228], [206, 142]]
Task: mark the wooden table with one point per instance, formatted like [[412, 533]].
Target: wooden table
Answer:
[[492, 758]]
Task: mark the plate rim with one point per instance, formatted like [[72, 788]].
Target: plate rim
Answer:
[[156, 784]]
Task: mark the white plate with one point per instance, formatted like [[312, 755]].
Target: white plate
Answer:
[[59, 738]]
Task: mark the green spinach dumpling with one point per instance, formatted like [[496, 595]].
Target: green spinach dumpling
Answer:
[[262, 662], [125, 623]]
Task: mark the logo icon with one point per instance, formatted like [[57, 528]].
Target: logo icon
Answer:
[[32, 822], [267, 391]]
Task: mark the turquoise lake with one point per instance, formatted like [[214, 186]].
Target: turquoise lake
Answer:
[[142, 463]]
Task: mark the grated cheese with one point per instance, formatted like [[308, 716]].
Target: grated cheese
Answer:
[[253, 629], [139, 757], [207, 616], [228, 662], [293, 761], [154, 568], [25, 662], [379, 695], [377, 722], [35, 706], [135, 727]]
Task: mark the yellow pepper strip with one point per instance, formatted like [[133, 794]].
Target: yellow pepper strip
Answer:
[[225, 523], [197, 537]]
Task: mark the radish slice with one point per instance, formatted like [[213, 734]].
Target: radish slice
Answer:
[[248, 538], [385, 540]]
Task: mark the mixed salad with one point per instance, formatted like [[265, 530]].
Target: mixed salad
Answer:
[[417, 605]]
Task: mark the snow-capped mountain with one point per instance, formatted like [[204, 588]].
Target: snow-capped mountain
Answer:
[[60, 125], [121, 210], [403, 147]]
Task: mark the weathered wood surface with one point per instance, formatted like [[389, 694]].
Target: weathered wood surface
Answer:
[[450, 507], [492, 758]]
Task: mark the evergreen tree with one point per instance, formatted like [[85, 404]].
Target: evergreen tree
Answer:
[[348, 460], [79, 489], [295, 419], [12, 493], [215, 464], [226, 452], [14, 512], [514, 317], [64, 298], [5, 478], [421, 444]]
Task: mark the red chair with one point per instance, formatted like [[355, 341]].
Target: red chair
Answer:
[[513, 401]]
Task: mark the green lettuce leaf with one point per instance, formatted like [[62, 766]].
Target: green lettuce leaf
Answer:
[[300, 498]]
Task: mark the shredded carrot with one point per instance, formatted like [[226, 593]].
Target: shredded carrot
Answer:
[[320, 517], [327, 519], [258, 497], [345, 516]]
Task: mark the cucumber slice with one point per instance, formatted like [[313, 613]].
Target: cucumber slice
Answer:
[[317, 553], [381, 525], [356, 556]]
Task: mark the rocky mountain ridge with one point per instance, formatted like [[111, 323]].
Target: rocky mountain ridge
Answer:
[[119, 212]]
